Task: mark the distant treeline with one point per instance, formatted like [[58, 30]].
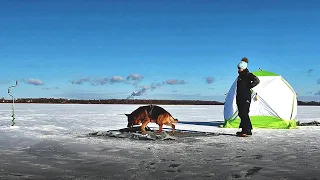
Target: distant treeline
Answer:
[[128, 101], [111, 101], [308, 103]]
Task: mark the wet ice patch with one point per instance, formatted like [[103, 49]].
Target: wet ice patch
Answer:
[[133, 135]]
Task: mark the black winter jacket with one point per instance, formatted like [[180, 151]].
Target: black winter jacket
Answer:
[[245, 82]]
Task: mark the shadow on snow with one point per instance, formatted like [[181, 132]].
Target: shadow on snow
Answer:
[[213, 123]]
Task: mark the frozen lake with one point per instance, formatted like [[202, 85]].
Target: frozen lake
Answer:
[[49, 142], [67, 118]]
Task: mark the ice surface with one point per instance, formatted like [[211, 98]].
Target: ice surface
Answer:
[[49, 141]]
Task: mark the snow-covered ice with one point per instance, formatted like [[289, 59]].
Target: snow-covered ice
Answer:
[[49, 141]]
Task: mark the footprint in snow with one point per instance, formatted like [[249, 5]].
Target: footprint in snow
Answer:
[[253, 171]]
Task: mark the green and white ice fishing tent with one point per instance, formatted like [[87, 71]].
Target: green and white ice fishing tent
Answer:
[[273, 104]]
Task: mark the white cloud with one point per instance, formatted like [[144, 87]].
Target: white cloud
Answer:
[[35, 82]]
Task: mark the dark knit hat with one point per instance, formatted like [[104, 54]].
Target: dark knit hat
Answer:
[[245, 59]]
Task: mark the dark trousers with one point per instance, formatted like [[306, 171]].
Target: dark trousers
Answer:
[[243, 112]]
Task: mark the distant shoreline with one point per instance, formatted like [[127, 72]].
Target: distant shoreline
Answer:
[[111, 101], [128, 101]]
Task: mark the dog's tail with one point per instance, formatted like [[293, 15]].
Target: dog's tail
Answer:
[[173, 120]]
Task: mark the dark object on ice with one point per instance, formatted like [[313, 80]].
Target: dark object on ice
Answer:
[[134, 129], [151, 113], [313, 123]]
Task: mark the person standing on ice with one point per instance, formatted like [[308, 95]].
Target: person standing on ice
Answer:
[[245, 82]]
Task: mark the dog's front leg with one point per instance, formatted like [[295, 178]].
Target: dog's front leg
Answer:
[[144, 124], [160, 128], [173, 128]]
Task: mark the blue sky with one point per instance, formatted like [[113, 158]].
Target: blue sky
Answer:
[[155, 49]]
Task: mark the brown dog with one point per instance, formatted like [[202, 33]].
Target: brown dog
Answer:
[[151, 113]]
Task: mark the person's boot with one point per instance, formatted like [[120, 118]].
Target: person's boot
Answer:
[[249, 132], [244, 133], [239, 132]]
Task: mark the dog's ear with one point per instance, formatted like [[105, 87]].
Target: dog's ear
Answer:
[[127, 115]]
